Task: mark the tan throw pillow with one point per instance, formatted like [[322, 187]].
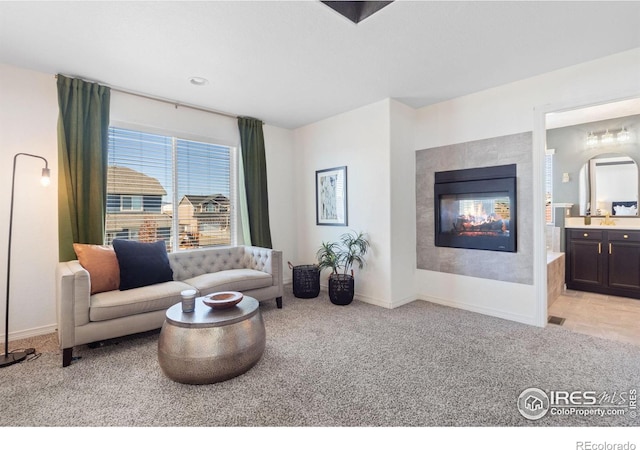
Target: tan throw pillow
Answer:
[[102, 264]]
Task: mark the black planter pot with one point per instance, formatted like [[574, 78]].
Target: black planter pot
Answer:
[[341, 289]]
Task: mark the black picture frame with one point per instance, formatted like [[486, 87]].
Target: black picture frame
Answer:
[[331, 197]]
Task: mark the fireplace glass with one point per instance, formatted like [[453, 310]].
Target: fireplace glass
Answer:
[[476, 214]]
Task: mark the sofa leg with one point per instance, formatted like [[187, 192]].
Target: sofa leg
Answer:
[[67, 356], [279, 302]]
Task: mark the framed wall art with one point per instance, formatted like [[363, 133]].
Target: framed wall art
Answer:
[[331, 196]]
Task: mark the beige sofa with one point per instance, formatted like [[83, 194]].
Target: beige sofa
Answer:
[[84, 318]]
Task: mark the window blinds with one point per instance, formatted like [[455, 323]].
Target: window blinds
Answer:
[[163, 187]]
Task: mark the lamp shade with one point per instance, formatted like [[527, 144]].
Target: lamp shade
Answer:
[[46, 177]]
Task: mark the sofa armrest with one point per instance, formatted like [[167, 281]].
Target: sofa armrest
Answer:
[[266, 260], [73, 293]]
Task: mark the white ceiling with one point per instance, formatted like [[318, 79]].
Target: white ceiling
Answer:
[[291, 63]]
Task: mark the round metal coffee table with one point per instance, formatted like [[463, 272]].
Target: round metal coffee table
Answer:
[[211, 345]]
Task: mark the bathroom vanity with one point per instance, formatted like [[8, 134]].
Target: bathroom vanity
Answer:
[[603, 259], [604, 256]]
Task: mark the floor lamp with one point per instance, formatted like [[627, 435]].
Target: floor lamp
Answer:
[[11, 358]]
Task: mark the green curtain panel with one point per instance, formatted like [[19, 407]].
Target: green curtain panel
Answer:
[[255, 180], [83, 127]]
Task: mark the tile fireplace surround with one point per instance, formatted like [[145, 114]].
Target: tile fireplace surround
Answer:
[[512, 267]]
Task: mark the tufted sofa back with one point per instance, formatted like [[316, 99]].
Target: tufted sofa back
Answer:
[[191, 263], [257, 258]]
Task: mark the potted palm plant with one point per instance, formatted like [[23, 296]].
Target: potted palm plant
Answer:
[[340, 257]]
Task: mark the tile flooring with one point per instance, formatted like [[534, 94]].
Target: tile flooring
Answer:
[[605, 316]]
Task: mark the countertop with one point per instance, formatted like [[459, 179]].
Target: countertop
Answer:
[[621, 223]]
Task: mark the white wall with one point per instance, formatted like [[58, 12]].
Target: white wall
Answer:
[[403, 203], [279, 151], [28, 123], [152, 115], [356, 139], [360, 140], [373, 141], [505, 110], [508, 109]]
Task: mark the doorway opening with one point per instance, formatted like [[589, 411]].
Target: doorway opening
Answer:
[[576, 196]]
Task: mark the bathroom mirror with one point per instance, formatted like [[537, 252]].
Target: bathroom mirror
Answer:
[[609, 183]]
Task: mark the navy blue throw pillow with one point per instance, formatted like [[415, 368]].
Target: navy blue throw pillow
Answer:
[[141, 263]]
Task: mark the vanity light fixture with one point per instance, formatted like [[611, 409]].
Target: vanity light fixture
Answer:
[[618, 136], [607, 138], [623, 135], [592, 139]]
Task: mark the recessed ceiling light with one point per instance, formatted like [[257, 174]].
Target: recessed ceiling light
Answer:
[[198, 81]]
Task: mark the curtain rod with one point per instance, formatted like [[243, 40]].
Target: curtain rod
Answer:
[[163, 100]]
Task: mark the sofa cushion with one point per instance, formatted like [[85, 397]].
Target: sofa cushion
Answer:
[[230, 280], [142, 263], [199, 261], [101, 263], [114, 304]]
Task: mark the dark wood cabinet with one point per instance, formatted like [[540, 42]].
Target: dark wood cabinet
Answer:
[[603, 261], [585, 265], [623, 250]]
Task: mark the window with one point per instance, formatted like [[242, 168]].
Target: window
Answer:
[[548, 185], [164, 187], [131, 203]]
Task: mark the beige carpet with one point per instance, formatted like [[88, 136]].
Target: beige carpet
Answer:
[[420, 365], [47, 343]]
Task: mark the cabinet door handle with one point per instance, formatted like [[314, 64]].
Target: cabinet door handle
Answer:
[[586, 235], [626, 236], [610, 248], [599, 247]]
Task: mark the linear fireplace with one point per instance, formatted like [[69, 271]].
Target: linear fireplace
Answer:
[[476, 208]]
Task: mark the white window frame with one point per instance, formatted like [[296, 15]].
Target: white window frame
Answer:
[[140, 200], [233, 175]]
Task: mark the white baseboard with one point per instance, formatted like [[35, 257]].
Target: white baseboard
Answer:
[[403, 301], [527, 320], [33, 332], [385, 303], [375, 300]]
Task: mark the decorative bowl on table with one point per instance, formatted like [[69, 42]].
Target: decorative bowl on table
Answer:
[[223, 300]]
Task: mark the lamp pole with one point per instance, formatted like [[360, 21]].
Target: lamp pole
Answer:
[[12, 358]]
